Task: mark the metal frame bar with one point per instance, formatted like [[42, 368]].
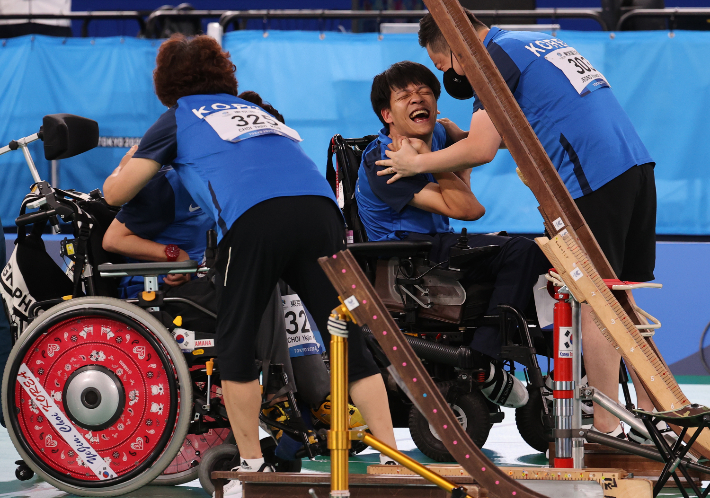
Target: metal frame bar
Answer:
[[669, 13], [230, 16]]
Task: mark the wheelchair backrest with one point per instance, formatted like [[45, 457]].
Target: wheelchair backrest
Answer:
[[342, 177]]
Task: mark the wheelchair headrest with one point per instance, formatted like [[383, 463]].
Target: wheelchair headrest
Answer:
[[67, 135]]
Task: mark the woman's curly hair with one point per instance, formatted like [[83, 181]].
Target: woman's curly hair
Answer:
[[192, 66]]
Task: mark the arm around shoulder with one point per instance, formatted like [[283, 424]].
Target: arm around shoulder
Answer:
[[128, 179]]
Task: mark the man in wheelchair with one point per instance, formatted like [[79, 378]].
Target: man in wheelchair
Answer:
[[404, 97]]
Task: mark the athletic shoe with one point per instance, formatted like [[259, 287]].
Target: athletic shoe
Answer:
[[617, 433], [233, 489], [504, 389], [355, 420]]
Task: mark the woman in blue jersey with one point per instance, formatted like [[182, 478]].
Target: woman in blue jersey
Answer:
[[275, 215]]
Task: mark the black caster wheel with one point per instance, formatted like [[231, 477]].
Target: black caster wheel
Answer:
[[530, 421], [472, 412], [23, 472]]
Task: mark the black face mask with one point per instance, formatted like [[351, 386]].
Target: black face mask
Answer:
[[455, 85]]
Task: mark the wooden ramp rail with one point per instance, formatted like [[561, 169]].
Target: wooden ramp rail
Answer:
[[367, 308]]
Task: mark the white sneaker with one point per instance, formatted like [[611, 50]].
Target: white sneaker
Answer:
[[617, 433], [504, 389], [233, 488]]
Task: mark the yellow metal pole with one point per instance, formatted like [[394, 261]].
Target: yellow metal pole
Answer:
[[405, 461], [338, 436]]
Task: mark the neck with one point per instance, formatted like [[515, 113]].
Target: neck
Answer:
[[483, 33], [396, 136]]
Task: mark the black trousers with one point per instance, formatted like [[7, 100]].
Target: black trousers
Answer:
[[278, 238], [513, 271]]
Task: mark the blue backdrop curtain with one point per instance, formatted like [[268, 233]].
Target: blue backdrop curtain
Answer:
[[321, 85]]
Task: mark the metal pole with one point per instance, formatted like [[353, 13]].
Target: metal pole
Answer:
[[617, 410], [338, 435], [55, 173], [563, 393], [577, 442]]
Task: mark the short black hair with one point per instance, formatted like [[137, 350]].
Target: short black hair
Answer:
[[430, 34], [396, 77]]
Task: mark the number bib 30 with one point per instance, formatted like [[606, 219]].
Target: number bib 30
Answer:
[[578, 70], [242, 122]]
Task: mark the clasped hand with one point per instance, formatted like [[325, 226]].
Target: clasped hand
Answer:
[[402, 156]]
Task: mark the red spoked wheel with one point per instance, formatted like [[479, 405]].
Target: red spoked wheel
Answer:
[[95, 386], [185, 465]]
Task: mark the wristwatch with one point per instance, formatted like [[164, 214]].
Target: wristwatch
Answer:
[[172, 252]]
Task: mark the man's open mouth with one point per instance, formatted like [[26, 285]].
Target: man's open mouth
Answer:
[[419, 116]]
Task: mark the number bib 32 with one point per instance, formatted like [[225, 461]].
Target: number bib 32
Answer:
[[578, 70], [242, 122], [301, 340]]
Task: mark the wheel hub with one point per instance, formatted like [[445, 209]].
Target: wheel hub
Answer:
[[94, 397], [460, 416]]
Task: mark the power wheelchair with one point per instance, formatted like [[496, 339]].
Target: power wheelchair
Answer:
[[439, 317], [103, 396]]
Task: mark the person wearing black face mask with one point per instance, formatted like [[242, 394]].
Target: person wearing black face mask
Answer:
[[590, 140], [455, 84]]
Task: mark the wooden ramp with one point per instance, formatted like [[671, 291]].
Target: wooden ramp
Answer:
[[583, 280], [367, 309]]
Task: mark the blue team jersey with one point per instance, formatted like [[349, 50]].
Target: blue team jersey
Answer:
[[164, 212], [569, 104], [227, 177], [384, 209]]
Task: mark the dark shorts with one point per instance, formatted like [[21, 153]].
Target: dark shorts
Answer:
[[278, 238], [622, 217]]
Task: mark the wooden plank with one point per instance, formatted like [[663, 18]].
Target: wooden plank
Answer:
[[520, 473], [613, 481], [258, 484], [581, 277], [367, 308]]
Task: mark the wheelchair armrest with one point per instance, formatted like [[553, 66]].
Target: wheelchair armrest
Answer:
[[145, 269], [391, 248]]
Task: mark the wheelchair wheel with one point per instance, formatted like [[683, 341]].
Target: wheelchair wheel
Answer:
[[473, 414], [185, 465], [97, 397], [530, 422], [222, 457]]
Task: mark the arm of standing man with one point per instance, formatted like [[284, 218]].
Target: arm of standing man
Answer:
[[468, 152]]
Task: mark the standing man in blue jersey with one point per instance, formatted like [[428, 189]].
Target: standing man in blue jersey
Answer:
[[404, 98], [589, 139]]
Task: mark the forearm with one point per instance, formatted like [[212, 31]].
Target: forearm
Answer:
[[136, 247], [464, 154], [457, 195], [128, 179]]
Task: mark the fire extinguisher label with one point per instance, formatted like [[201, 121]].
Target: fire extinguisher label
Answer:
[[565, 348]]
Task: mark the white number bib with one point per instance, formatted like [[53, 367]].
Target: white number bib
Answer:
[[579, 71], [240, 123], [301, 341]]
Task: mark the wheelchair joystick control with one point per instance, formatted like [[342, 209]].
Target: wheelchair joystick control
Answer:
[[463, 239]]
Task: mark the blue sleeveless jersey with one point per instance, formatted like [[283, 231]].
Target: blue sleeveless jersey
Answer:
[[227, 178], [588, 136]]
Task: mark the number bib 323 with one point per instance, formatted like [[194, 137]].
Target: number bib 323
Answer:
[[578, 70], [242, 122]]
